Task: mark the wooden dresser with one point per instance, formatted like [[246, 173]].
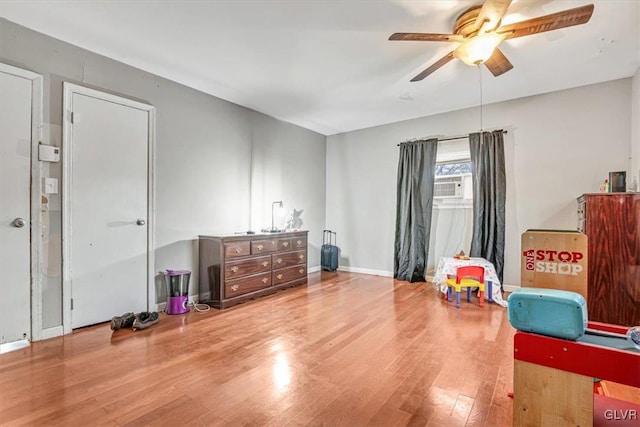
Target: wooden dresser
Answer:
[[611, 222], [235, 268]]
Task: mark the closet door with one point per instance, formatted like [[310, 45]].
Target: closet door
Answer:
[[15, 217], [107, 217]]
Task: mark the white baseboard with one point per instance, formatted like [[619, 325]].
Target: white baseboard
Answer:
[[313, 269], [510, 288], [366, 271], [56, 331], [13, 346]]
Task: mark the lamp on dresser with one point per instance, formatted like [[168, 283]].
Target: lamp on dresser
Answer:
[[273, 214]]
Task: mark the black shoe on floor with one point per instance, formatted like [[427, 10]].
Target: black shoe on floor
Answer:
[[124, 321], [145, 319]]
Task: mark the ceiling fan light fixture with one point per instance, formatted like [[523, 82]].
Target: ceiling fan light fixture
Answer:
[[478, 49]]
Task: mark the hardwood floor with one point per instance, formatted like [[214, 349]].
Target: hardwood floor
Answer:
[[347, 349]]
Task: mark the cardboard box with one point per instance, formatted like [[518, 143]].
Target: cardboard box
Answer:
[[554, 260]]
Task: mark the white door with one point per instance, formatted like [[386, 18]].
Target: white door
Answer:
[[106, 220], [15, 217]]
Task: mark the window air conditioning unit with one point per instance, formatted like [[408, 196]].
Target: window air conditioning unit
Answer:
[[449, 187]]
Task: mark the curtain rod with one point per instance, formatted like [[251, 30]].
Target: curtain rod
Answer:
[[448, 138]]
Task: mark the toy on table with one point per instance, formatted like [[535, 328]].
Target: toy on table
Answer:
[[461, 255]]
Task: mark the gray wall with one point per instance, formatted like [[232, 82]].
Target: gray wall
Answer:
[[218, 165], [558, 146]]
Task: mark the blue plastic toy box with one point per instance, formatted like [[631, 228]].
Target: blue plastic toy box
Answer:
[[549, 312]]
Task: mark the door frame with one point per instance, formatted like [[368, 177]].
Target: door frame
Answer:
[[35, 229], [69, 89]]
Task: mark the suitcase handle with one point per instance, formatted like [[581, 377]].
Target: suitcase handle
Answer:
[[324, 237]]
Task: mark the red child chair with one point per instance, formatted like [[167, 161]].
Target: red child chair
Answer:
[[467, 277]]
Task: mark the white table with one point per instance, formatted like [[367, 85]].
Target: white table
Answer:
[[447, 266]]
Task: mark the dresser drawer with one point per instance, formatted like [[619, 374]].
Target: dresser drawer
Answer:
[[289, 274], [270, 245], [284, 244], [245, 267], [235, 249], [299, 242], [264, 246], [288, 259], [244, 285]]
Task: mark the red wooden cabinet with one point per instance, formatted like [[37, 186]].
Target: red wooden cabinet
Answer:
[[611, 222]]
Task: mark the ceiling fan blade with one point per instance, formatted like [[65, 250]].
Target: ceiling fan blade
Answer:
[[426, 37], [491, 14], [498, 63], [442, 61], [555, 21]]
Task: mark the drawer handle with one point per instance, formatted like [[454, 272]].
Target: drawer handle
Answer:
[[299, 243], [279, 260], [265, 280], [301, 270], [279, 276], [234, 268], [301, 256], [259, 247], [285, 244], [265, 263], [234, 287], [238, 250]]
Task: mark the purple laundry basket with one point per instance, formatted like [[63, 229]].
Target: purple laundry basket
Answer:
[[177, 283]]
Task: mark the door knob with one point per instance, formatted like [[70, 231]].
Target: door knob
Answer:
[[140, 222], [18, 223]]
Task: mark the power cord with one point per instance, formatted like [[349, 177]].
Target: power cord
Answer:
[[200, 308]]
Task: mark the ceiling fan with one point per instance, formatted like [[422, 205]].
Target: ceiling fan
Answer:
[[479, 33]]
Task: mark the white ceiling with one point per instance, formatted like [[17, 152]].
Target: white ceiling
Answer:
[[327, 65]]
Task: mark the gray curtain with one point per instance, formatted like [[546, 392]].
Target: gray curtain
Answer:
[[416, 170], [489, 191]]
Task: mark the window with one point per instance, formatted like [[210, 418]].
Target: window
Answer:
[[452, 216], [453, 174], [460, 167]]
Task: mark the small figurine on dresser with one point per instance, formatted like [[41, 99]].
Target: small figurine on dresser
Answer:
[[293, 221]]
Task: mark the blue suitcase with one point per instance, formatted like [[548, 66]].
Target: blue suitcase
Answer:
[[328, 251], [550, 312]]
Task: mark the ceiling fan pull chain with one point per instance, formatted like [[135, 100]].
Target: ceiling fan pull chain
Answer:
[[480, 78]]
